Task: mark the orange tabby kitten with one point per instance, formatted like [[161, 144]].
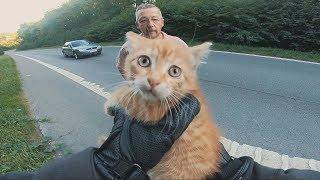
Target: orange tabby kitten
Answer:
[[160, 73]]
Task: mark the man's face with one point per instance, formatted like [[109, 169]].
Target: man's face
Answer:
[[150, 22]]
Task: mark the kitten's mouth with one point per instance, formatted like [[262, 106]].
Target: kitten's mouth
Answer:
[[150, 95], [151, 92]]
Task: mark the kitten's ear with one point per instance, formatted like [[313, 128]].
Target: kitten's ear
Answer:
[[134, 39], [199, 53]]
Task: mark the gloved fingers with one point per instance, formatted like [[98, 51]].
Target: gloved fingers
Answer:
[[117, 110], [176, 121], [111, 110], [114, 110], [188, 108], [189, 104], [118, 113]]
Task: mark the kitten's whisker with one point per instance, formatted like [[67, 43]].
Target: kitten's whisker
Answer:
[[118, 85], [132, 96], [181, 94], [180, 101], [142, 114], [176, 99], [161, 106], [169, 110], [127, 102], [111, 85], [176, 110], [135, 94], [139, 114], [113, 73], [123, 98]]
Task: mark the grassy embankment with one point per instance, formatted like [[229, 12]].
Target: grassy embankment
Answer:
[[21, 145]]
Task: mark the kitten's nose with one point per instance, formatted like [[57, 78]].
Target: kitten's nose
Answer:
[[153, 83]]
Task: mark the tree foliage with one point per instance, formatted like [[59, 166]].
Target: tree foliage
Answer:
[[289, 24], [9, 41]]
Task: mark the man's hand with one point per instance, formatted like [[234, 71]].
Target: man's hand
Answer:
[[134, 147]]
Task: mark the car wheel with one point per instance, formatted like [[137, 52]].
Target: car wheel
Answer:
[[99, 53], [75, 55], [65, 55]]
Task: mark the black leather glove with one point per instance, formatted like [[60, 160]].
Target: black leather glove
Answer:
[[133, 147], [245, 168]]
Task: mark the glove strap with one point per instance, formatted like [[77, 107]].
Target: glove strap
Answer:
[[128, 170], [236, 169]]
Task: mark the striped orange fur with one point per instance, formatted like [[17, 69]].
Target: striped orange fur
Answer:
[[152, 91]]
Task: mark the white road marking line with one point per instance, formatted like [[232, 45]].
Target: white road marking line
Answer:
[[258, 155], [78, 79], [231, 146], [285, 162], [271, 57]]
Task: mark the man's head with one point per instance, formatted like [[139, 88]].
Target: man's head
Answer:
[[149, 20]]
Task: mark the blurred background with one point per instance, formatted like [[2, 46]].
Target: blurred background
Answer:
[[283, 24]]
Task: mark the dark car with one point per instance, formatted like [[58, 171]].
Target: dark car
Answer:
[[80, 48]]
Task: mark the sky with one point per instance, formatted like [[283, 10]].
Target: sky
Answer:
[[16, 12]]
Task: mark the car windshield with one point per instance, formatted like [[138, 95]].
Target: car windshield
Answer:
[[79, 43]]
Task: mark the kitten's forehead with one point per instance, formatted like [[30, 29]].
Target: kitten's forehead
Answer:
[[169, 53], [166, 61], [172, 50], [165, 53]]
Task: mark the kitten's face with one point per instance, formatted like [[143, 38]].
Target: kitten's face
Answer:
[[157, 77], [162, 70]]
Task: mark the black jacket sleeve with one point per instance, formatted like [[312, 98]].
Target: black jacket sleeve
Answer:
[[74, 167], [80, 166]]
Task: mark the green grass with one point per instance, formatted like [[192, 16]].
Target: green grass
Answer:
[[21, 146], [283, 53]]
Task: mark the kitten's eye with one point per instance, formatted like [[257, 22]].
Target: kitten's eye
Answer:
[[144, 61], [175, 71]]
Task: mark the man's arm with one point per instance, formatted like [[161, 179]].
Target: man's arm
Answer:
[[74, 167], [181, 42]]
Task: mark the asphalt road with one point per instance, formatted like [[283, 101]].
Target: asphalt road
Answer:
[[264, 102]]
